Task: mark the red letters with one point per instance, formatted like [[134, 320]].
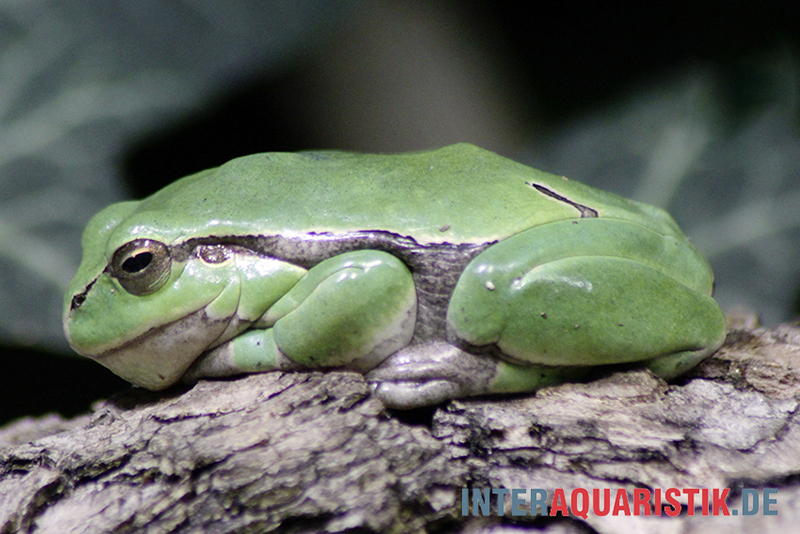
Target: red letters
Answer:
[[621, 503], [596, 501], [670, 495], [719, 501], [559, 503], [641, 499]]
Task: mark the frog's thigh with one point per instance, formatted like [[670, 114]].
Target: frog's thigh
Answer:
[[585, 311], [352, 310]]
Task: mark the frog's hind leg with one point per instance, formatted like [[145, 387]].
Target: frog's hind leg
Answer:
[[350, 311], [586, 293]]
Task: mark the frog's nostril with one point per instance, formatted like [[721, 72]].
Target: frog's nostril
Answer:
[[77, 300]]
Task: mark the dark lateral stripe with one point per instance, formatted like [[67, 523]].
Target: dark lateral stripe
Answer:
[[586, 211]]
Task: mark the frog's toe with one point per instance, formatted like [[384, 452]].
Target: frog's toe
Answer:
[[673, 365], [423, 375], [405, 395]]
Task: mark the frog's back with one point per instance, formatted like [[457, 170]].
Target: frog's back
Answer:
[[457, 194]]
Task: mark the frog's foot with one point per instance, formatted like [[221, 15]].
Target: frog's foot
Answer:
[[424, 375], [672, 365]]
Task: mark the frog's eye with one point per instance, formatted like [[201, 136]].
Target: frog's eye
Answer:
[[141, 266]]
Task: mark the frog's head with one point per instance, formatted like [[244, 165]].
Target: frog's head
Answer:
[[146, 304]]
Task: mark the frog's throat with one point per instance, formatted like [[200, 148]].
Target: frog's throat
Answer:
[[159, 357]]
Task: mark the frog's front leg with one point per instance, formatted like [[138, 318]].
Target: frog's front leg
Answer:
[[350, 311]]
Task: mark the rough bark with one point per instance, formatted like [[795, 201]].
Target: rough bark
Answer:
[[313, 452]]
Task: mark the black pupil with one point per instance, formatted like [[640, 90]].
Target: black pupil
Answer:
[[136, 263]]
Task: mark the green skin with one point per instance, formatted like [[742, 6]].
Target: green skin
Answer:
[[438, 275]]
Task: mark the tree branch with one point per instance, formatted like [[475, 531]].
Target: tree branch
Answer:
[[312, 452]]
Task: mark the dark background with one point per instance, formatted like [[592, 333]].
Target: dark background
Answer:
[[560, 60]]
